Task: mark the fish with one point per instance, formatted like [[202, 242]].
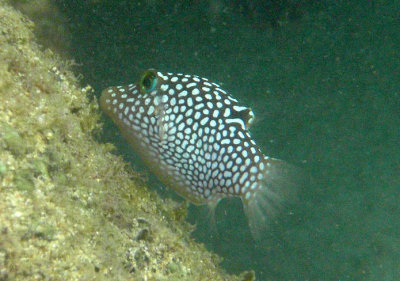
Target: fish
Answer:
[[194, 136]]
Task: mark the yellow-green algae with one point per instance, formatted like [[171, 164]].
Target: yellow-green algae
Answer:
[[70, 209]]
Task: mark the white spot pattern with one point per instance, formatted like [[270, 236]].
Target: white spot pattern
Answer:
[[193, 129]]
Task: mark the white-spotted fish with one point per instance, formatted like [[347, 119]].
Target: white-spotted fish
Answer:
[[194, 137]]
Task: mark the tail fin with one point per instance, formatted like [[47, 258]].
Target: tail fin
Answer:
[[277, 188]]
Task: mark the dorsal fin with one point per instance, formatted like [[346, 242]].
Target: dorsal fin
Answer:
[[245, 114]]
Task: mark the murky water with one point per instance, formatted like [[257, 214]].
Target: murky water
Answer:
[[324, 83]]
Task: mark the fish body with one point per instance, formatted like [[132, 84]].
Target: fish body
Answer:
[[194, 137]]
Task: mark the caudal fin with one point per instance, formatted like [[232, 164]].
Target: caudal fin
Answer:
[[278, 186]]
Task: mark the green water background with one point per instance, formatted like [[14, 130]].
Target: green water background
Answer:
[[323, 80]]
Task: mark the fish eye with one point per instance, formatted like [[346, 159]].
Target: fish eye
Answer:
[[148, 81]]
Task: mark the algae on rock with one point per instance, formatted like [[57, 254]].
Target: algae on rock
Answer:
[[70, 209]]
